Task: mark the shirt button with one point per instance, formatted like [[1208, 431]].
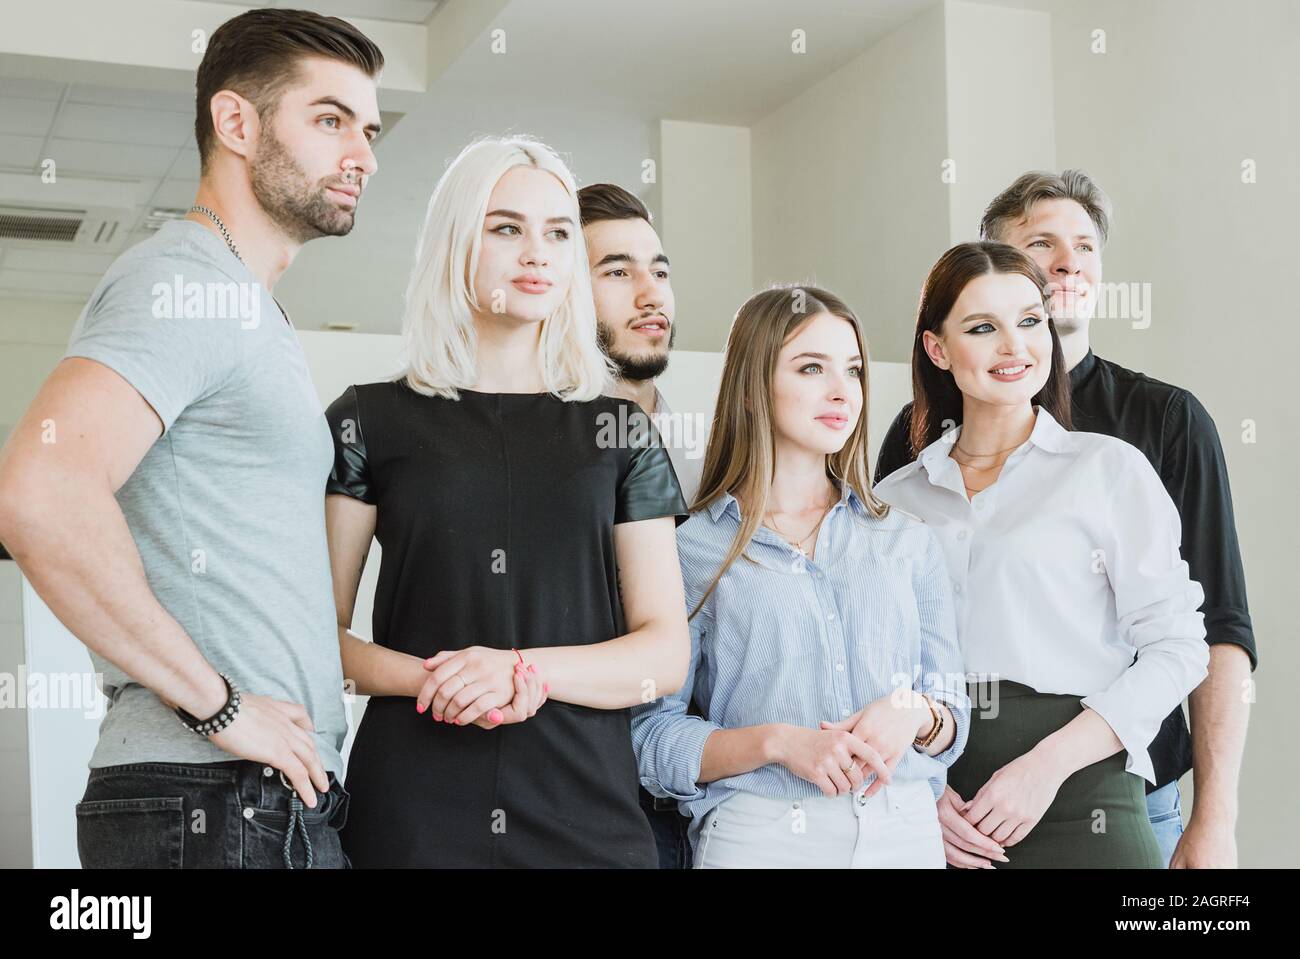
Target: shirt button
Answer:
[[830, 615], [957, 588], [248, 812], [961, 534], [845, 713], [839, 667], [268, 771]]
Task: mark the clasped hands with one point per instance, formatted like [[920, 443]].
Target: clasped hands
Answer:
[[481, 686], [838, 756], [1001, 813]]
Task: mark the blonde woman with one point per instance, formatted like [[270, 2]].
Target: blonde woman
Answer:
[[824, 651], [507, 509]]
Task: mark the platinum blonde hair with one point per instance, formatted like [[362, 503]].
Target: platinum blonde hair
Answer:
[[440, 343]]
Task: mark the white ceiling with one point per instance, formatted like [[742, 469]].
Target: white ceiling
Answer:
[[583, 71], [142, 138], [402, 11]]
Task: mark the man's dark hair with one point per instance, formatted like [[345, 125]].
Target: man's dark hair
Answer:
[[606, 201], [256, 54]]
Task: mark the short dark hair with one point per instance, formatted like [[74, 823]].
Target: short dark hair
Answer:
[[1014, 203], [256, 54], [608, 201]]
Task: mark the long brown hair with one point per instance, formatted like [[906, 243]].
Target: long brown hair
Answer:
[[935, 396], [740, 457]]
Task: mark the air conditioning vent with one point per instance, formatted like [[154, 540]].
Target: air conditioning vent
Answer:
[[40, 225], [91, 228]]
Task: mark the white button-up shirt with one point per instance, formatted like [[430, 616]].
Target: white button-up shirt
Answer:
[[1063, 570]]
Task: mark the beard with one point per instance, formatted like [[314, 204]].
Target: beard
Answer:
[[639, 368], [303, 211]]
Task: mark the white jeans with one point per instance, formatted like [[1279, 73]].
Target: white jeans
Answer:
[[897, 828]]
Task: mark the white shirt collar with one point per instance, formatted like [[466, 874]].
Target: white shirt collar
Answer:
[[1047, 435]]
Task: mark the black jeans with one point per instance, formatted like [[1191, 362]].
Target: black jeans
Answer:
[[669, 827], [226, 815]]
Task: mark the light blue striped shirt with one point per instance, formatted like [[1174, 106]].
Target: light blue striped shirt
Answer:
[[788, 640]]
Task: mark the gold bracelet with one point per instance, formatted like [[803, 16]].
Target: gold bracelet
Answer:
[[937, 727]]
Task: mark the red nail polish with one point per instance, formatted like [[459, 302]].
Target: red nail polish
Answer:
[[419, 708], [437, 719], [546, 687]]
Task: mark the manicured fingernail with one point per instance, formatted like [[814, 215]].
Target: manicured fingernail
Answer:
[[428, 661], [419, 708], [494, 716], [437, 719], [532, 667]]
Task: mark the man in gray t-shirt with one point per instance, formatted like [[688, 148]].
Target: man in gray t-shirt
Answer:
[[164, 492], [227, 507]]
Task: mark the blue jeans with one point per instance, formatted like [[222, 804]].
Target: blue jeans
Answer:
[[226, 815], [1165, 809], [669, 828]]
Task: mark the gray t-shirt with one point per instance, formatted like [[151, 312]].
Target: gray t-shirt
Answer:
[[227, 507]]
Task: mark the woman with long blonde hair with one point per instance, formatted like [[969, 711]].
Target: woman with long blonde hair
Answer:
[[824, 657], [528, 593]]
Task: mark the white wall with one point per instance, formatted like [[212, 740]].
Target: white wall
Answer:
[[15, 805], [999, 125], [33, 336], [847, 192], [704, 222]]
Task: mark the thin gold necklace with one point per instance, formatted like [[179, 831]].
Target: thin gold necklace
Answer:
[[798, 543]]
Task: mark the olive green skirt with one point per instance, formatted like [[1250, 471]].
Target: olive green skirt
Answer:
[[1098, 819]]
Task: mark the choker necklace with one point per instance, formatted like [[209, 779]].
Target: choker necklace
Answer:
[[225, 234], [985, 455]]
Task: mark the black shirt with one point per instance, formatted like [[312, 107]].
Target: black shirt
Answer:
[[496, 515], [1173, 429]]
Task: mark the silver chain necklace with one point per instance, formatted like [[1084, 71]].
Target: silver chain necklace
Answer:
[[225, 234]]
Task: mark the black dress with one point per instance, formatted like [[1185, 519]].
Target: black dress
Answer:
[[495, 515]]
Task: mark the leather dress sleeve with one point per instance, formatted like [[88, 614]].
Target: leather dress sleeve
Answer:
[[351, 473], [649, 488]]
